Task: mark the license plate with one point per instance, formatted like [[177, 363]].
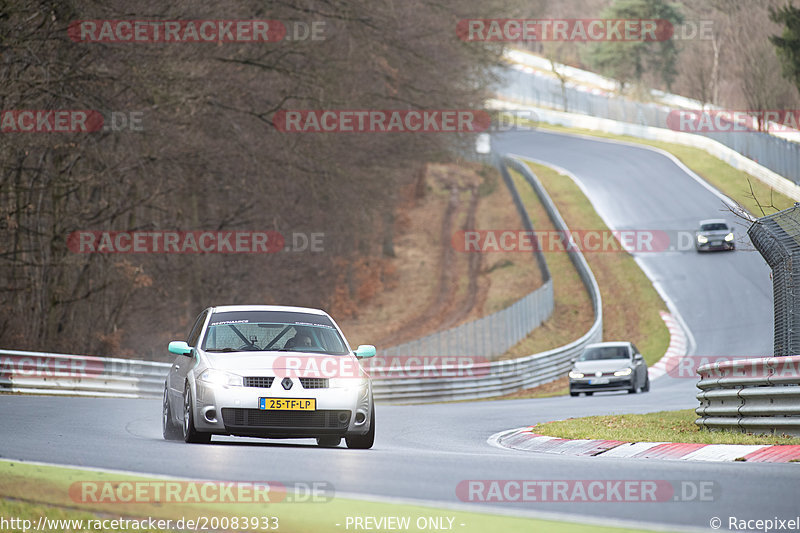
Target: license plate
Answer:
[[287, 404], [598, 381]]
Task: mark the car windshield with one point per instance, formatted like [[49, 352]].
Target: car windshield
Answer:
[[601, 353], [716, 226], [272, 331]]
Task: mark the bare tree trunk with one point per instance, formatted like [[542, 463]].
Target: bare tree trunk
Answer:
[[715, 70]]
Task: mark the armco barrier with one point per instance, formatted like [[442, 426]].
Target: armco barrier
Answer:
[[760, 395], [50, 373], [46, 373]]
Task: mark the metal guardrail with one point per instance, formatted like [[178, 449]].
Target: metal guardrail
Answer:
[[489, 379], [760, 395], [51, 373], [47, 373], [779, 155]]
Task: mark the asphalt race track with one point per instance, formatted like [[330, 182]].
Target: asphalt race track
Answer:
[[423, 452]]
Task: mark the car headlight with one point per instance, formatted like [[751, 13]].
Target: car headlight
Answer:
[[575, 375], [623, 372], [729, 237], [218, 377], [346, 383], [702, 239]]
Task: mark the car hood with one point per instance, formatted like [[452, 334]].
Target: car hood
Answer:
[[268, 363], [609, 365]]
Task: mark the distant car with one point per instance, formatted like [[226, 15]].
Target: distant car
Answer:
[[714, 234], [240, 372], [609, 366]]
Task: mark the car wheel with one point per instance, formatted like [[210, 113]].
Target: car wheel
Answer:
[[588, 393], [328, 442], [363, 442], [634, 389], [573, 393], [169, 429], [190, 434], [646, 387]]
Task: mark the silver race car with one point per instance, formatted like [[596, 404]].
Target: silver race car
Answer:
[[609, 366], [714, 234], [268, 371]]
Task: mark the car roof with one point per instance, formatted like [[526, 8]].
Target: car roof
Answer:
[[603, 344], [285, 308], [714, 221]]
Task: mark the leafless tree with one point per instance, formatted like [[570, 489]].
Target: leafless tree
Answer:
[[210, 157]]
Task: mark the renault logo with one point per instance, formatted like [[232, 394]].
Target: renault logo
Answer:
[[286, 383]]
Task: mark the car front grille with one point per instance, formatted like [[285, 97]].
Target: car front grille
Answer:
[[314, 383], [328, 419], [262, 382]]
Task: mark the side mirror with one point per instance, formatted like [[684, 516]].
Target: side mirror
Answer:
[[364, 351], [180, 348], [573, 360], [638, 357]]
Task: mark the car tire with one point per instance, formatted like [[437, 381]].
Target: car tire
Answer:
[[588, 393], [646, 387], [572, 393], [190, 434], [365, 441], [169, 429], [634, 389], [328, 441]]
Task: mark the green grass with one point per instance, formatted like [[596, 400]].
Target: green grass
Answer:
[[664, 426], [31, 512], [29, 491]]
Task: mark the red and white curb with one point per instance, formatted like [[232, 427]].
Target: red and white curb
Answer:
[[524, 439], [678, 347]]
